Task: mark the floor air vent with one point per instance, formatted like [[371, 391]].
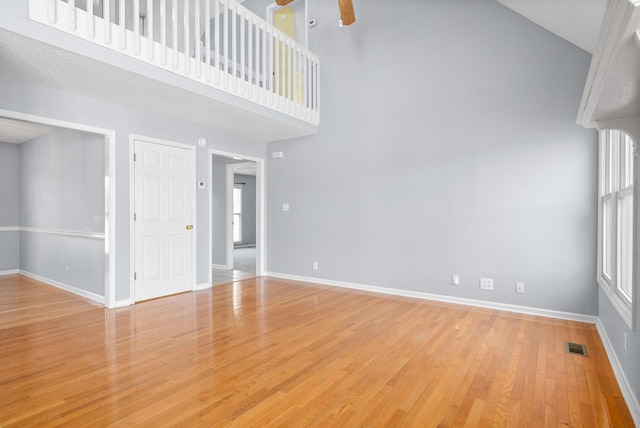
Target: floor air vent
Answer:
[[576, 349]]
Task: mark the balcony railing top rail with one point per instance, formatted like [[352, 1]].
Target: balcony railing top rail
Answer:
[[218, 43]]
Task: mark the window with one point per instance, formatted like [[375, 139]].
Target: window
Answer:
[[237, 213], [616, 221]]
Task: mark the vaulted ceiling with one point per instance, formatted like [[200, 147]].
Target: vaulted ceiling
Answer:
[[577, 21]]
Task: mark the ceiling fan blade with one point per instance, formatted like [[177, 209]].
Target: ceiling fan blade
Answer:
[[347, 14], [283, 2]]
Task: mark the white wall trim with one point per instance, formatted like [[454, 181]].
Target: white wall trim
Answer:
[[10, 229], [72, 233], [71, 289], [440, 298], [261, 241], [202, 286], [9, 272], [217, 266], [627, 392], [123, 303], [110, 191]]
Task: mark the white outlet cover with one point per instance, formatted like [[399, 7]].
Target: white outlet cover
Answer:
[[285, 207], [486, 284]]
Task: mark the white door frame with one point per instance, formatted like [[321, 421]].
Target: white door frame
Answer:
[[271, 8], [109, 192], [231, 171], [132, 248], [260, 210]]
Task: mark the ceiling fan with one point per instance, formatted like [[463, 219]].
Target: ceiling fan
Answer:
[[347, 15]]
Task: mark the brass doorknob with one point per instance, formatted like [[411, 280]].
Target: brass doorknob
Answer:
[[189, 226]]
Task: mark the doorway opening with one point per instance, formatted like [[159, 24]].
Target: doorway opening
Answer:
[[237, 214], [61, 178]]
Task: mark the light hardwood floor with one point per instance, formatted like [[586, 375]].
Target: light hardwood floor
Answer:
[[267, 352]]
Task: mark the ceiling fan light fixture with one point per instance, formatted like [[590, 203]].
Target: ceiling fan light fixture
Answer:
[[347, 15]]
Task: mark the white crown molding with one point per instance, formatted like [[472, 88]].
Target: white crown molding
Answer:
[[615, 28]]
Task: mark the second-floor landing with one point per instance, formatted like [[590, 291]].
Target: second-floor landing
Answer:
[[264, 89]]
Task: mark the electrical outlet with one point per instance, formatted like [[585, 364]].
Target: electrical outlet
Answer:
[[486, 284], [315, 265], [520, 287], [455, 280], [68, 270]]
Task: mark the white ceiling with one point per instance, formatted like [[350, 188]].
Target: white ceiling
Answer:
[[17, 131], [577, 21]]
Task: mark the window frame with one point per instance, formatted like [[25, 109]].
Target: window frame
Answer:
[[237, 214], [616, 182]]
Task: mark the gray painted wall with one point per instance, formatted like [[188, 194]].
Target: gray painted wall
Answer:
[[62, 176], [248, 208], [9, 206], [9, 185], [62, 188], [27, 98], [468, 163], [219, 210]]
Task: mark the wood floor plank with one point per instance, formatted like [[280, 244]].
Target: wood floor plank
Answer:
[[270, 352]]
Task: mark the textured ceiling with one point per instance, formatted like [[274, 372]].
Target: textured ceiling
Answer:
[[18, 132], [27, 59], [577, 21]]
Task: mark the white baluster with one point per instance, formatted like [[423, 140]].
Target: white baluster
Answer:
[[136, 27], [72, 15], [277, 61], [122, 23], [250, 57], [234, 44], [197, 42], [106, 19], [216, 42], [187, 50], [174, 33], [91, 23], [225, 39], [163, 32], [290, 71], [148, 27], [207, 39], [51, 11], [243, 71]]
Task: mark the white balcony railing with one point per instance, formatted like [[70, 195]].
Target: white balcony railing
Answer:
[[216, 42]]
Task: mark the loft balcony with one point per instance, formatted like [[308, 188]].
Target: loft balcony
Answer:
[[235, 71]]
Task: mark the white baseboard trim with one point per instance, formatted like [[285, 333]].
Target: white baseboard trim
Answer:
[[83, 293], [627, 392], [440, 298], [202, 286], [9, 272], [215, 266], [122, 303]]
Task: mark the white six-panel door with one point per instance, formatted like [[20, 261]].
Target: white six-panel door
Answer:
[[163, 220]]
